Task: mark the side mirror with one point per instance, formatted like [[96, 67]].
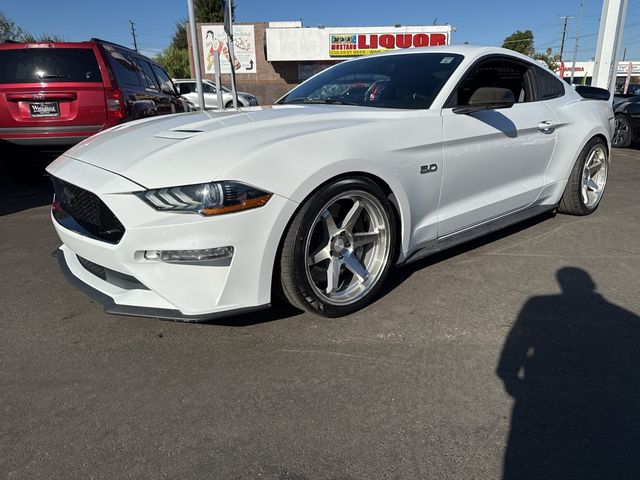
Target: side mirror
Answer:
[[487, 98]]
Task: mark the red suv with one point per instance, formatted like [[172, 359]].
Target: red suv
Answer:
[[60, 93]]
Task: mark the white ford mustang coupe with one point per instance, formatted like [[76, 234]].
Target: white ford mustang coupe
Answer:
[[372, 163]]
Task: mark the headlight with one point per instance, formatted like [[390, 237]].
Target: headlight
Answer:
[[207, 198]]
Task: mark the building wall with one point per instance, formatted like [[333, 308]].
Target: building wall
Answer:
[[271, 80]]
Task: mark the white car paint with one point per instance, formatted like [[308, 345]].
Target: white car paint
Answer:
[[210, 95], [289, 150]]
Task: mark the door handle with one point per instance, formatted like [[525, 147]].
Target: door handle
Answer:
[[546, 126]]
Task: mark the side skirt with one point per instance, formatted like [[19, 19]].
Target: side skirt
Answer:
[[477, 231]]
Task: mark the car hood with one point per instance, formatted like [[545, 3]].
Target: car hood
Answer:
[[201, 146]]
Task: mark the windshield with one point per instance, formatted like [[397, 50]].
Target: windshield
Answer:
[[387, 81]]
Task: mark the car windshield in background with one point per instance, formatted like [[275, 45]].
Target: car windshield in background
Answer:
[[386, 81], [27, 65]]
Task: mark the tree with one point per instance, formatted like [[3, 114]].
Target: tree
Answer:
[[520, 42], [210, 11], [175, 58], [10, 31], [179, 37], [175, 61], [549, 58]]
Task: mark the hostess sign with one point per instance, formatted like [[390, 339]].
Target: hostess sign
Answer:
[[287, 42], [349, 45]]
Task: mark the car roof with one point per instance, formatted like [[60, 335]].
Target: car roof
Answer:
[[468, 51], [20, 45]]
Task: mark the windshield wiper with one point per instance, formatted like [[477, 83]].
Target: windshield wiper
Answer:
[[54, 76], [325, 101]]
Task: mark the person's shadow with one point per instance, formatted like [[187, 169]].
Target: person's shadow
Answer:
[[572, 364]]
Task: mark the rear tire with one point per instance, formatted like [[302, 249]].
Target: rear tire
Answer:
[[587, 180], [339, 248], [622, 134]]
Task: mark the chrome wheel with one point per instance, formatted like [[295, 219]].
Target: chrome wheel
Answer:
[[594, 176], [348, 247], [622, 132]]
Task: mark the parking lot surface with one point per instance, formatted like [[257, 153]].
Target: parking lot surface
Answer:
[[515, 356]]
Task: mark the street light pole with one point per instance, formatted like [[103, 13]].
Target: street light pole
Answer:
[[605, 69], [195, 49]]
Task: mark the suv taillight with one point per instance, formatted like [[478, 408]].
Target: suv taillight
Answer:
[[115, 106]]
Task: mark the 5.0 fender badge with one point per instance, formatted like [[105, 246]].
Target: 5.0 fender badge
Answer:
[[429, 168]]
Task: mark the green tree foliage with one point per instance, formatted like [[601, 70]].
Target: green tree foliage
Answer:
[[520, 41], [175, 60], [210, 11], [549, 58], [10, 31], [179, 37]]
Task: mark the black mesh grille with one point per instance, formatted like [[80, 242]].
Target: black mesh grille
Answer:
[[118, 279], [98, 270], [88, 211]]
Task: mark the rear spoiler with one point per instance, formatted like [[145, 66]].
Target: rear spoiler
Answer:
[[593, 93]]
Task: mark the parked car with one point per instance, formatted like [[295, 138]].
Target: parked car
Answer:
[[60, 93], [207, 214], [627, 129], [188, 88]]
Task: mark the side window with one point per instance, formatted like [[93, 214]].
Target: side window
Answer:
[[166, 85], [208, 88], [549, 86], [496, 73], [125, 70], [147, 75], [185, 88]]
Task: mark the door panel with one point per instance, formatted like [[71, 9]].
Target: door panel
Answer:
[[494, 162]]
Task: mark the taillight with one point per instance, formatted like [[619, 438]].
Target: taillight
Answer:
[[115, 105]]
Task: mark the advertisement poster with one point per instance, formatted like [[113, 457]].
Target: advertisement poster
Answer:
[[215, 39]]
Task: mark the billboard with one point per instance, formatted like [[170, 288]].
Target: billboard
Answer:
[[214, 39], [352, 45], [296, 43]]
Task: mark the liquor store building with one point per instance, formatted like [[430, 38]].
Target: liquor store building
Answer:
[[273, 57]]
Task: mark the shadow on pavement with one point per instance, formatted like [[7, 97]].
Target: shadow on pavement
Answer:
[[24, 184], [281, 309], [401, 274], [571, 362], [278, 311]]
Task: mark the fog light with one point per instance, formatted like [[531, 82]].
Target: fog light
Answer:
[[190, 256]]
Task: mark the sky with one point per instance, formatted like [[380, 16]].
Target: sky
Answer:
[[486, 23]]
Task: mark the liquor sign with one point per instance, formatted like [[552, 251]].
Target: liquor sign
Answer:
[[214, 38], [353, 45]]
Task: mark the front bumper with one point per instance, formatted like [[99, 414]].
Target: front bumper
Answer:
[[110, 306], [167, 290]]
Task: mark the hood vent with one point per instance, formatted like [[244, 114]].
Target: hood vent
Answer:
[[178, 134]]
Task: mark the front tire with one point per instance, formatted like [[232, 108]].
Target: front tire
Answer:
[[339, 248], [587, 181], [622, 134]]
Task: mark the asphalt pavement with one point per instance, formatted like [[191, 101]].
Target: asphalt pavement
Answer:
[[517, 356]]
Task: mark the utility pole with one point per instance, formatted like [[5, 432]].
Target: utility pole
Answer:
[[575, 50], [133, 34], [564, 34], [196, 53]]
